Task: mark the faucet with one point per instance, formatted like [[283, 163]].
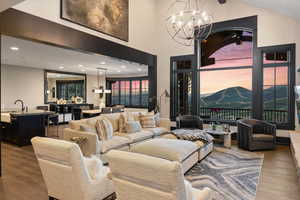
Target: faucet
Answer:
[[22, 103]]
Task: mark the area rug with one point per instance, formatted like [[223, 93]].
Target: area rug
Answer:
[[232, 174]]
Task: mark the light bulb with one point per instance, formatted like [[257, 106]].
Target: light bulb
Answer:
[[194, 12], [181, 13], [179, 23]]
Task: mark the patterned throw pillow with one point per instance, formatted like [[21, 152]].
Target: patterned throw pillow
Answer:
[[133, 127], [104, 129], [148, 121], [124, 118]]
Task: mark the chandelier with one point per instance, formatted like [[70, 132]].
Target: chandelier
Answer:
[[187, 21], [100, 90]]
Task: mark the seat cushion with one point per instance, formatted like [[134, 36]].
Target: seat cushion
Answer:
[[137, 137], [169, 149], [157, 131], [262, 137], [115, 143]]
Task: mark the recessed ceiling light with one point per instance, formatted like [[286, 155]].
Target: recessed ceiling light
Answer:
[[123, 67], [83, 70], [119, 71], [14, 48], [80, 65], [139, 69], [61, 67], [103, 63]]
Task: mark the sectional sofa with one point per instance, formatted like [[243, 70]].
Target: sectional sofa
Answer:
[[120, 140], [126, 142]]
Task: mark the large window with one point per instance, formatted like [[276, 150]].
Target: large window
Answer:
[[226, 84], [276, 86], [129, 92], [236, 80]]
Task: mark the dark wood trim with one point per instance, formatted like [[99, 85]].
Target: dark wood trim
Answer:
[[61, 72], [83, 25], [291, 76], [14, 22]]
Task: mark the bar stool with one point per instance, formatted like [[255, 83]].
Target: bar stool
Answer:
[[53, 118]]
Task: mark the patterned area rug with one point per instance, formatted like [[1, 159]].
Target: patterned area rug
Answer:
[[233, 174]]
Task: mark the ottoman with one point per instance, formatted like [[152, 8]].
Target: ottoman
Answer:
[[185, 152]]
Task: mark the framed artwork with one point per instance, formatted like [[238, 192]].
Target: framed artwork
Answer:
[[110, 17]]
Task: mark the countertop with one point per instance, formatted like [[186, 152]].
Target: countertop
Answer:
[[6, 116]]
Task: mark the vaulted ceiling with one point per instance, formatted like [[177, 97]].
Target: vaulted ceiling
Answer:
[[286, 7]]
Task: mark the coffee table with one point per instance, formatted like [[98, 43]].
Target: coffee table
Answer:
[[226, 135]]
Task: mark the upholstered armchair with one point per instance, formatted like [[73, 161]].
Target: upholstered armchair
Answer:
[[138, 176], [189, 121], [256, 135], [67, 174]]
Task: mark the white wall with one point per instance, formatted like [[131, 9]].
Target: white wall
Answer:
[[28, 84], [141, 21], [21, 83]]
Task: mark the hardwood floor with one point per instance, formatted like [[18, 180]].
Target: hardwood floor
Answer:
[[278, 178], [22, 179]]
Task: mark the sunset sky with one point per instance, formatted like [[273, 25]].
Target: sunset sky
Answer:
[[230, 56]]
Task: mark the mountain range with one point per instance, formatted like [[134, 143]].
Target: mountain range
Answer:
[[239, 97]]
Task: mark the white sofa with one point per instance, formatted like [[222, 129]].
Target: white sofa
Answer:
[[120, 140], [142, 177], [66, 172]]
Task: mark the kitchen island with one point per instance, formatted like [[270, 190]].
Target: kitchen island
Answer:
[[19, 127]]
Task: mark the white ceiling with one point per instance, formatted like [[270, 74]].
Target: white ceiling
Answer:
[[286, 7], [5, 4], [42, 56]]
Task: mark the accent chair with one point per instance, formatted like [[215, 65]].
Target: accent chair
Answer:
[[189, 122], [256, 135], [66, 172], [138, 176]]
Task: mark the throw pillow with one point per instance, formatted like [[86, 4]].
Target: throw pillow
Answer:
[[114, 120], [122, 123], [95, 167], [133, 127], [124, 118], [148, 121], [157, 118], [88, 128], [104, 129]]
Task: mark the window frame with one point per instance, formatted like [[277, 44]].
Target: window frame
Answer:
[[291, 80], [109, 82]]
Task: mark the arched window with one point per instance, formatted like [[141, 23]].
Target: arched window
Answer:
[[226, 79]]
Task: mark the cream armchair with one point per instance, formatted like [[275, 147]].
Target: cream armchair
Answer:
[[138, 176], [66, 174]]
